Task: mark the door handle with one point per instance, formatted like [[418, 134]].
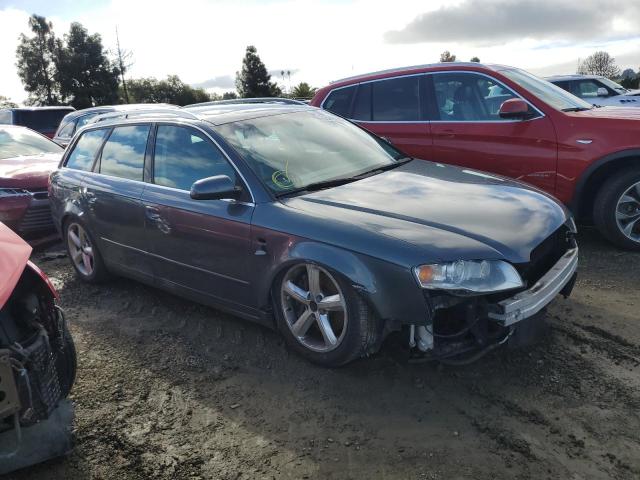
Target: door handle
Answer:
[[448, 133], [152, 213]]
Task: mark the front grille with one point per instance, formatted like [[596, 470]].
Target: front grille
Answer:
[[37, 217], [546, 255]]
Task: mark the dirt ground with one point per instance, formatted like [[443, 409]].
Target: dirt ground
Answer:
[[170, 389]]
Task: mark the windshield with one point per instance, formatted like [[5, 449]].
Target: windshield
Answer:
[[291, 151], [15, 142], [613, 85], [549, 93]]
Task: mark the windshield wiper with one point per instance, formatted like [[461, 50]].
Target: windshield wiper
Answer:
[[576, 109], [336, 182]]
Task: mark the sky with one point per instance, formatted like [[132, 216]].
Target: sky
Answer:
[[203, 41]]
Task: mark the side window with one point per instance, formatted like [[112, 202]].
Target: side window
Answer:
[[588, 89], [85, 150], [362, 104], [468, 97], [183, 155], [123, 152], [5, 116], [339, 101], [397, 99], [67, 130], [83, 120]]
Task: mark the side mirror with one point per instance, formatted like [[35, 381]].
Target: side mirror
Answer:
[[603, 92], [514, 108], [215, 188]]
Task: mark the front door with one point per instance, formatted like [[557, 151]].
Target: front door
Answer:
[[200, 247], [469, 132]]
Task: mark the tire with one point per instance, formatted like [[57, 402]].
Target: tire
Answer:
[[607, 206], [98, 272], [67, 364], [359, 337]]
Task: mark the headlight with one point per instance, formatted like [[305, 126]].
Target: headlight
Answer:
[[471, 276]]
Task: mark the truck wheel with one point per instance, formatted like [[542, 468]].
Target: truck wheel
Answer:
[[616, 212], [322, 317]]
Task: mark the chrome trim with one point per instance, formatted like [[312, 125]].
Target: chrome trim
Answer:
[[584, 141], [438, 72], [528, 303], [174, 189]]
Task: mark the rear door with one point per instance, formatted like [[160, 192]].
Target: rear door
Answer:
[[200, 247], [113, 192], [394, 108], [468, 131]]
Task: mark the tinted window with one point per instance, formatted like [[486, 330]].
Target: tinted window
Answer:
[[123, 153], [85, 150], [40, 120], [397, 99], [183, 155], [362, 104], [339, 101], [468, 97], [18, 141], [5, 116]]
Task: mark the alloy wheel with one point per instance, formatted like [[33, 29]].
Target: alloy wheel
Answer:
[[628, 212], [80, 249], [314, 307]]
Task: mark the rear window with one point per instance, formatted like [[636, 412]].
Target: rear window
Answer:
[[339, 101], [40, 120], [397, 99], [123, 153], [85, 150]]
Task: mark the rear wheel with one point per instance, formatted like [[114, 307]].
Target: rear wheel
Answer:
[[83, 252], [322, 317], [617, 209]]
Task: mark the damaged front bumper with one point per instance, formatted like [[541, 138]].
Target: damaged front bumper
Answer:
[[476, 325]]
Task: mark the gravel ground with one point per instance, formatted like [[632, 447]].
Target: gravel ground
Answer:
[[169, 389]]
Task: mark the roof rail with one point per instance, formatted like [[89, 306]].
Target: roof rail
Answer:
[[148, 112], [240, 101]]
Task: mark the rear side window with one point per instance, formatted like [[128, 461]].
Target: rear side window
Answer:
[[339, 101], [183, 155], [123, 152], [5, 116], [85, 150], [397, 99]]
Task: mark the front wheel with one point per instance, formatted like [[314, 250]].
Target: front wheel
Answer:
[[617, 209], [322, 317]]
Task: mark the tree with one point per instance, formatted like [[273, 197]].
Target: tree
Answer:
[[303, 90], [253, 80], [600, 63], [475, 60], [86, 76], [172, 90], [229, 96], [124, 63], [447, 57], [36, 62], [5, 102]]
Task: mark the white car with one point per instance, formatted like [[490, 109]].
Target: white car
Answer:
[[597, 90]]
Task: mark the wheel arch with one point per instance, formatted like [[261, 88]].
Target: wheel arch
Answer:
[[595, 175]]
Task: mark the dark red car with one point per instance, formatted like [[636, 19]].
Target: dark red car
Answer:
[[26, 160], [504, 120]]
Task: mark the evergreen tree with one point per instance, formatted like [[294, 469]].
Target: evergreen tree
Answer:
[[254, 80], [36, 62], [172, 90], [86, 76]]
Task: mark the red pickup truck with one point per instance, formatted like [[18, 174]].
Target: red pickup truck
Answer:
[[504, 120]]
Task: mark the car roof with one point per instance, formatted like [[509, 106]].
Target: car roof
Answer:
[[244, 101], [116, 108], [213, 114], [35, 109], [571, 77], [420, 69]]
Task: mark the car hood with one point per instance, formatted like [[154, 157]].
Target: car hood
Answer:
[[445, 211], [14, 254], [609, 112], [29, 171]]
